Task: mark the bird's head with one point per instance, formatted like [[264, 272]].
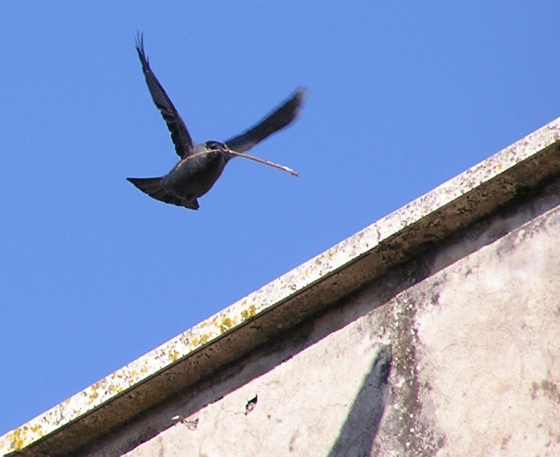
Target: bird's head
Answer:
[[216, 146]]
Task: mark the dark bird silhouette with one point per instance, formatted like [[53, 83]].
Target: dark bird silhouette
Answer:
[[201, 165]]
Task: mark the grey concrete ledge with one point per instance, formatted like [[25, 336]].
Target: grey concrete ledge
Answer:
[[290, 299]]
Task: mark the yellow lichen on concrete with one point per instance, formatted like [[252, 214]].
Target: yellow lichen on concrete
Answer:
[[113, 390], [226, 324], [195, 341], [23, 436], [249, 312]]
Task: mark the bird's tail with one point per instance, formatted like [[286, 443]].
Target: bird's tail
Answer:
[[152, 187]]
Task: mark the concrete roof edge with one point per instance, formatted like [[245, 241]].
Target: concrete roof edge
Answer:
[[309, 287]]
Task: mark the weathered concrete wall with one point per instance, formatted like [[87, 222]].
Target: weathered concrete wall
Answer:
[[456, 353], [356, 351]]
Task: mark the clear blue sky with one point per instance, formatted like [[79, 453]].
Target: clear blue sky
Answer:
[[402, 96]]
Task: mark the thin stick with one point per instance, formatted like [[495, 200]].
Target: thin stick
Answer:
[[247, 156]]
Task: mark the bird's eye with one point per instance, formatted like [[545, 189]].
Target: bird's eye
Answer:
[[215, 145]]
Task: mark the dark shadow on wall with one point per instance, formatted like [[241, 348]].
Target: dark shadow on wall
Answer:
[[358, 433]]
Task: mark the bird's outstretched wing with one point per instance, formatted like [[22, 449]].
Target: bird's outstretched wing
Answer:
[[152, 187], [275, 121], [179, 133]]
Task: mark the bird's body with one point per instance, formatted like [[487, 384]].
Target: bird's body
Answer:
[[201, 165]]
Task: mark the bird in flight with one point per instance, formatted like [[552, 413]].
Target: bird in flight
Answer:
[[201, 165]]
